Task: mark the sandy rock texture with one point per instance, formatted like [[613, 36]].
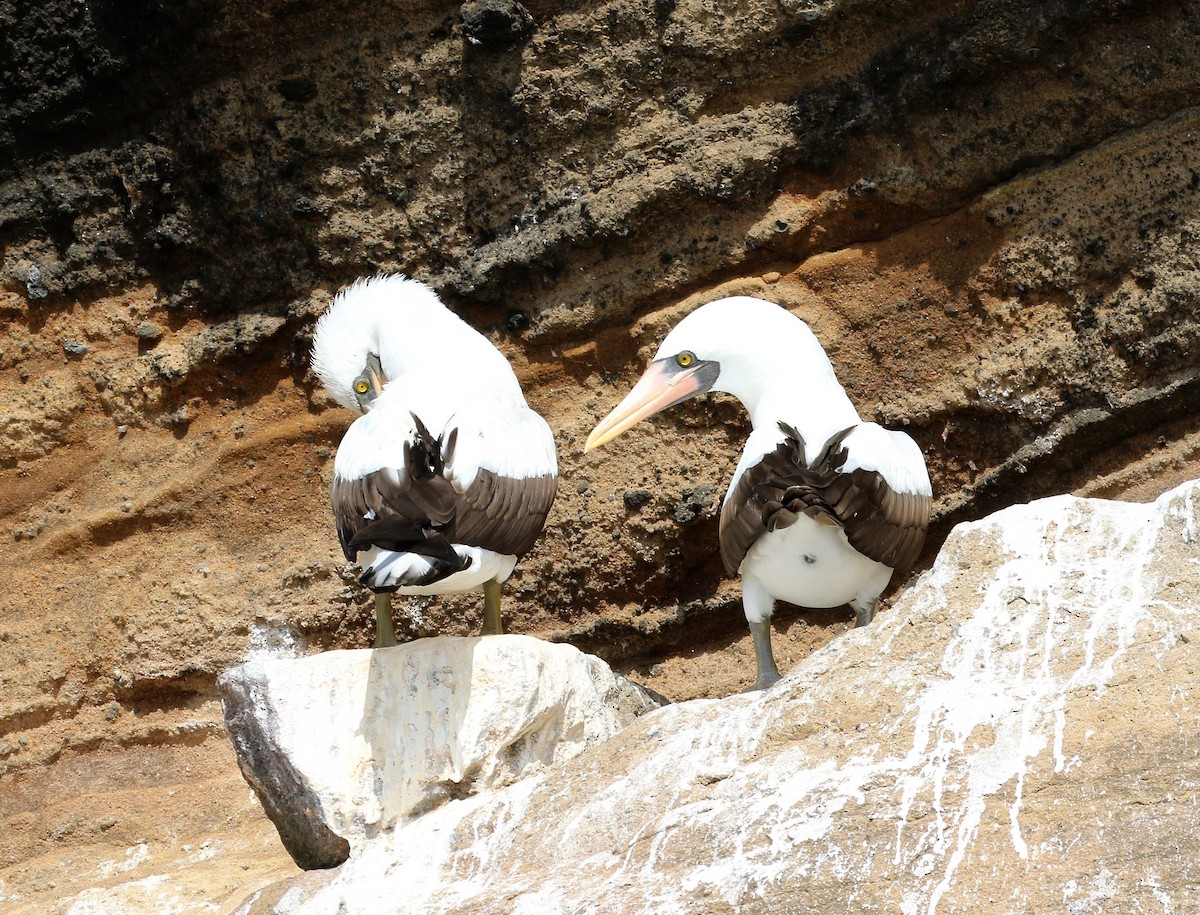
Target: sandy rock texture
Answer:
[[987, 211], [1016, 736]]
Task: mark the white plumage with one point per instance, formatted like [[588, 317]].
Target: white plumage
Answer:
[[822, 507], [447, 478]]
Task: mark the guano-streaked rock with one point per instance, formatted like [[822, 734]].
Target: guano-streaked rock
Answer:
[[1017, 734]]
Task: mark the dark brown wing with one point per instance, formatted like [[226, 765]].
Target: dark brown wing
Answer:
[[418, 509], [505, 514], [881, 523], [408, 509]]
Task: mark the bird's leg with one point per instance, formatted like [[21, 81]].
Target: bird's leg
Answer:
[[768, 673], [864, 611], [491, 608], [385, 630], [759, 605]]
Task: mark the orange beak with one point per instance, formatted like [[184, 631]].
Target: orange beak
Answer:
[[663, 385]]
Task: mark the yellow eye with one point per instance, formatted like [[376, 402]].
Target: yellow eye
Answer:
[[361, 386], [685, 359]]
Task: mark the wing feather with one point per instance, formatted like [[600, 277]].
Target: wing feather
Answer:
[[505, 514], [423, 507], [410, 508], [882, 523]]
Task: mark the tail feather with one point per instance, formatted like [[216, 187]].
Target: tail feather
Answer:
[[392, 570]]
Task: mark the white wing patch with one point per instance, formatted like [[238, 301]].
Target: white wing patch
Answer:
[[893, 454], [374, 441], [511, 442]]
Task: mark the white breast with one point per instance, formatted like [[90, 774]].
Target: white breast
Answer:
[[813, 565]]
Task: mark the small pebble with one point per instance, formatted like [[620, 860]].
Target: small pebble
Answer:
[[34, 285], [148, 331], [495, 24], [635, 498]]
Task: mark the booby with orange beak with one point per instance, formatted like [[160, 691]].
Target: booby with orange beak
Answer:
[[446, 479], [823, 507]]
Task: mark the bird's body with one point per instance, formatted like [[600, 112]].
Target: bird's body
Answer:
[[447, 478], [822, 507]]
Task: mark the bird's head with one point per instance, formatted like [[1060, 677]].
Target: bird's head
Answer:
[[391, 328], [368, 384], [735, 345], [346, 346]]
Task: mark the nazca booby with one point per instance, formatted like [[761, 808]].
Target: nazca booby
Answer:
[[822, 507], [446, 479]]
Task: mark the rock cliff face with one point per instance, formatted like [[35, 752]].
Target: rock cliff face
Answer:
[[988, 213]]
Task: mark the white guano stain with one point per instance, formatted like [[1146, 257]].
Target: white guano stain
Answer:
[[1010, 670], [728, 802], [135, 855], [272, 639], [156, 893]]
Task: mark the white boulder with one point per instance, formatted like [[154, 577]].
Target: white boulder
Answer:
[[346, 745]]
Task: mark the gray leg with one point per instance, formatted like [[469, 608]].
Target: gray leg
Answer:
[[864, 611], [768, 673], [491, 608], [385, 630]]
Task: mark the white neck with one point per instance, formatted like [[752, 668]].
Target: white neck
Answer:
[[778, 369], [804, 394], [435, 347], [772, 362]]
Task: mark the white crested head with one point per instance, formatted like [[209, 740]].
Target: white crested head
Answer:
[[762, 349], [755, 350], [403, 323]]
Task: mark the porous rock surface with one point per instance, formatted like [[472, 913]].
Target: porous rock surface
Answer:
[[988, 212], [344, 745], [1017, 735]]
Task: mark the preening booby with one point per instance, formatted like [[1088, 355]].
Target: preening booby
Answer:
[[446, 479], [822, 507]]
